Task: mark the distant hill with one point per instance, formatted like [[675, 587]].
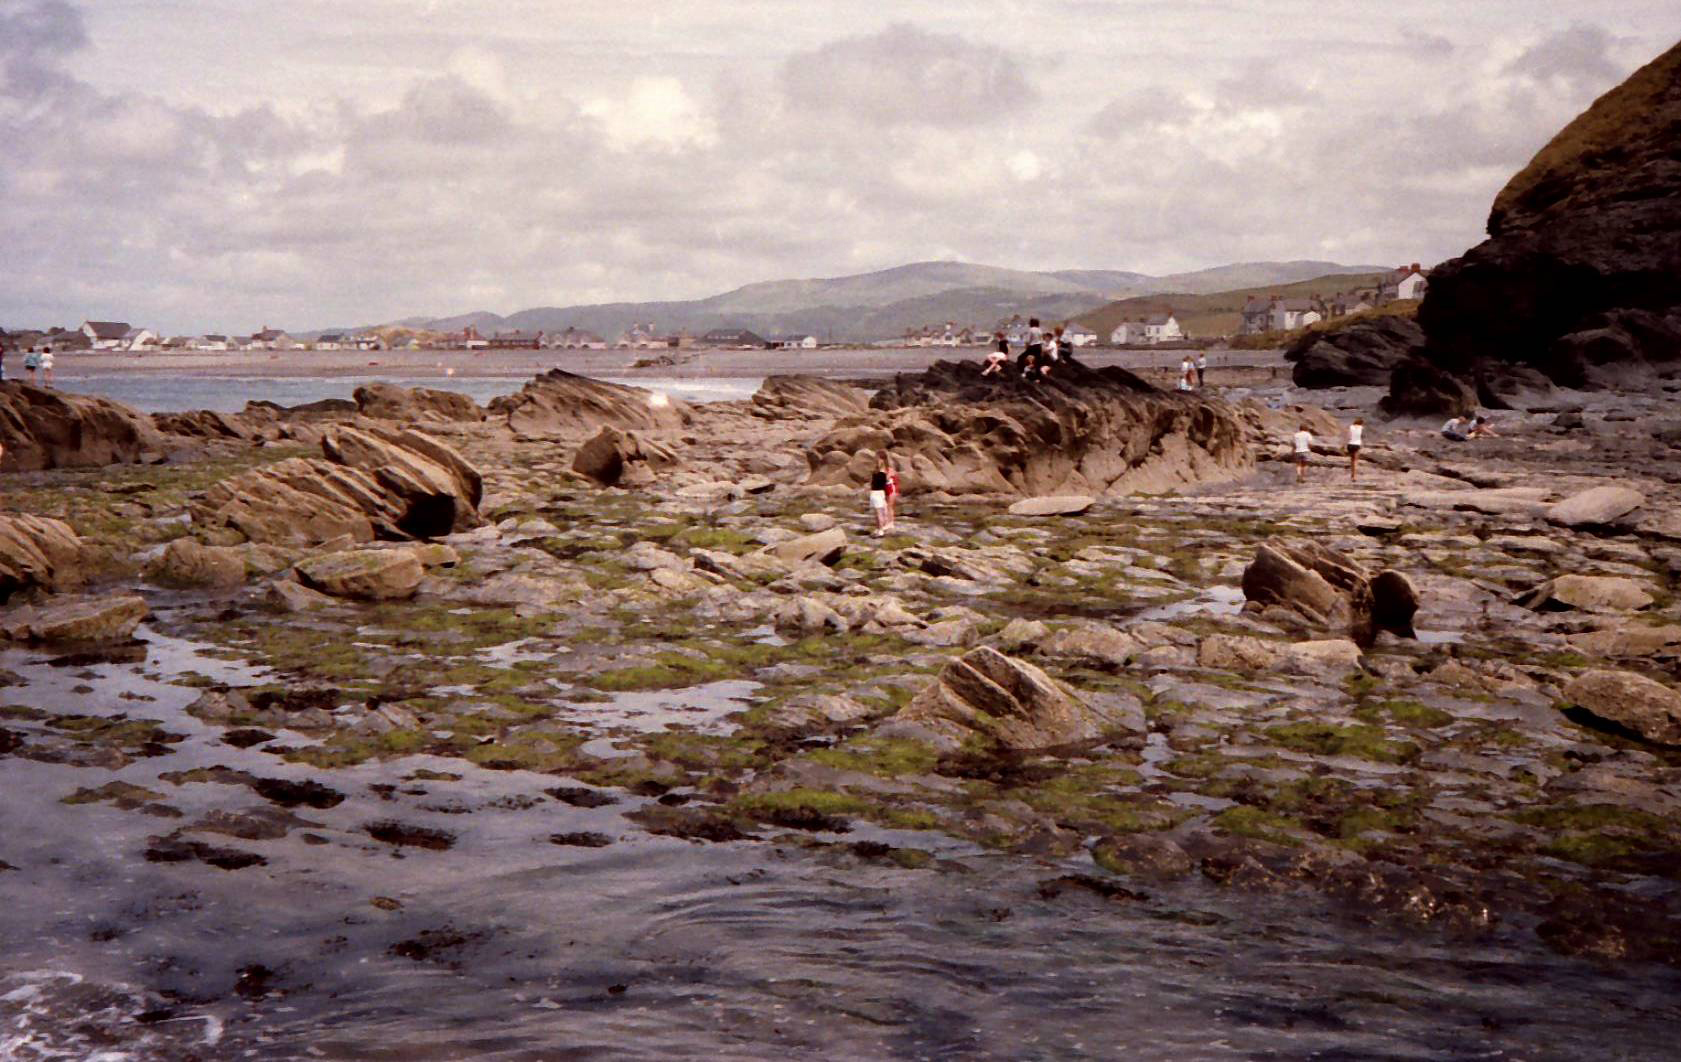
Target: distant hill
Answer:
[[1219, 313], [884, 303]]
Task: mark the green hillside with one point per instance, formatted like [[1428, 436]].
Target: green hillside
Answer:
[[1219, 314]]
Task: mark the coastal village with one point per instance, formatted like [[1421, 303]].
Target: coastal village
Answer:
[[1276, 314]]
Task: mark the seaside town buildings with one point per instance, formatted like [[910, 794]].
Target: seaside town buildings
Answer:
[[1151, 330], [1278, 313]]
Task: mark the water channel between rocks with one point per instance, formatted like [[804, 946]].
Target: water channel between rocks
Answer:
[[490, 919]]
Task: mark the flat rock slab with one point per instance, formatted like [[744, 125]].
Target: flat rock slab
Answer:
[[1649, 708], [824, 547], [93, 619], [1053, 505], [364, 574], [1596, 506], [1589, 593]]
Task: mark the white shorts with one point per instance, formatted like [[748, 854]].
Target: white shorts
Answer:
[[878, 499]]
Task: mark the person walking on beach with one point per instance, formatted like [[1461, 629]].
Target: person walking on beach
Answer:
[[31, 362], [1356, 437], [46, 366], [1304, 449], [1202, 367], [878, 495]]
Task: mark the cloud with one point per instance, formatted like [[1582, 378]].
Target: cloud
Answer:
[[904, 75], [1574, 59]]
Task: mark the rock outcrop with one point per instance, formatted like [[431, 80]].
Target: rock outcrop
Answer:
[[384, 401], [1578, 278], [807, 398], [370, 484], [38, 552], [186, 562], [1312, 584], [1085, 431], [563, 403], [615, 458], [1362, 353], [1636, 702], [44, 428], [988, 696], [363, 574]]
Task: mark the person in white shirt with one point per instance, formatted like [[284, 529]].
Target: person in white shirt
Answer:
[[46, 366], [1454, 429], [1187, 374], [1304, 448], [1356, 438], [1202, 367]]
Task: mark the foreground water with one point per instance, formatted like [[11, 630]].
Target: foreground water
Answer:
[[177, 392], [440, 911]]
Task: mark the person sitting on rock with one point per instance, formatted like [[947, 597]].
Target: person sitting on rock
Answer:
[[1455, 429], [1482, 428], [1064, 346], [998, 357]]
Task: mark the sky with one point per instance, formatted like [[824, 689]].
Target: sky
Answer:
[[219, 165]]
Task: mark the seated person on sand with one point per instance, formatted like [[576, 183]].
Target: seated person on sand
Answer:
[[998, 356], [1456, 429]]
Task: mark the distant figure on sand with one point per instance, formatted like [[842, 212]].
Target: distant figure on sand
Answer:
[[1187, 374], [998, 356], [1304, 449], [46, 366], [1455, 429], [878, 496], [31, 362], [1202, 367], [1356, 437]]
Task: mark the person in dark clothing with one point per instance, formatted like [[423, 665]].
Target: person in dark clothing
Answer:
[[878, 495]]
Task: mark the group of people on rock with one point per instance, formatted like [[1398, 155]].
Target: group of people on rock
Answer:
[[33, 361], [1461, 429], [1041, 350], [1458, 429], [1193, 371]]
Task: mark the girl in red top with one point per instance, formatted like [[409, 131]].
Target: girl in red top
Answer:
[[892, 492]]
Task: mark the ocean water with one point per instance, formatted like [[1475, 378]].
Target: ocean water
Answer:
[[178, 392]]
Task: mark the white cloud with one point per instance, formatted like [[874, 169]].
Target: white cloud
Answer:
[[654, 112]]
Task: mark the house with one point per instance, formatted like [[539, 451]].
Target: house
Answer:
[[516, 340], [210, 341], [1344, 303], [329, 341], [272, 339], [574, 339], [1156, 328], [1406, 282], [105, 335], [791, 341], [1079, 335], [1257, 316], [366, 341], [139, 339], [732, 337], [1291, 314]]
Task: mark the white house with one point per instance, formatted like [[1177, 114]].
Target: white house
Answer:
[[1157, 328], [139, 339], [1291, 314], [208, 342], [1079, 335], [105, 335], [792, 341], [1407, 282]]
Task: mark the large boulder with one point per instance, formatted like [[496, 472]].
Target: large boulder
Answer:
[[1596, 506], [363, 574], [824, 547], [369, 484], [1636, 702], [1084, 431], [72, 619], [615, 458], [385, 401], [45, 428], [190, 563], [807, 398], [563, 403], [1577, 279], [1361, 353], [1323, 589], [1587, 593], [1053, 505], [38, 552], [1420, 388], [1007, 703]]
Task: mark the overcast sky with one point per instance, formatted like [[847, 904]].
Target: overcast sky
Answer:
[[219, 165]]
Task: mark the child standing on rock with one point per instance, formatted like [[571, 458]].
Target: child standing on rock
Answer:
[[1304, 449], [878, 496], [1356, 436], [892, 493]]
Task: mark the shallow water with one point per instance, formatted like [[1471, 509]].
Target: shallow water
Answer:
[[162, 392], [505, 945]]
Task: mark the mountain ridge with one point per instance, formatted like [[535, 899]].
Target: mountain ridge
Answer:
[[881, 304]]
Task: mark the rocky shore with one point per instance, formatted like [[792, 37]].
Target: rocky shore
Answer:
[[1107, 628]]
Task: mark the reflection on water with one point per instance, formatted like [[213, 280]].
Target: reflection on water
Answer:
[[508, 939]]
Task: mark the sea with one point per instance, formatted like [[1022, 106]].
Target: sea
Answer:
[[180, 392]]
